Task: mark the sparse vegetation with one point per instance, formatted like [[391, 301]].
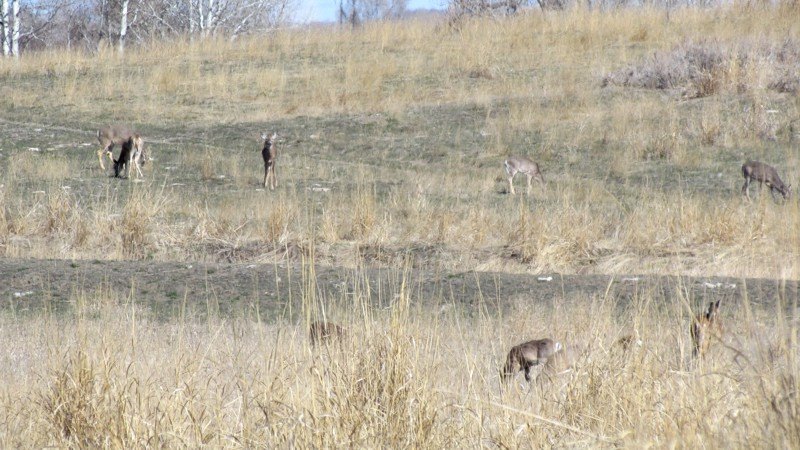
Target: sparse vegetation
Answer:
[[392, 138]]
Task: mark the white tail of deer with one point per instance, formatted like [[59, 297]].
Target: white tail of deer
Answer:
[[764, 174], [270, 153], [521, 164], [109, 136]]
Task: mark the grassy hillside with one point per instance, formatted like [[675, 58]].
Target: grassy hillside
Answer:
[[392, 139], [640, 120]]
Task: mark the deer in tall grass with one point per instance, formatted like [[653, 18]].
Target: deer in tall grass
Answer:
[[705, 327], [764, 174], [319, 332], [131, 155], [521, 164], [109, 136], [270, 153], [528, 354]]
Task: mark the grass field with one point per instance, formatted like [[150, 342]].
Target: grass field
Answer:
[[392, 139]]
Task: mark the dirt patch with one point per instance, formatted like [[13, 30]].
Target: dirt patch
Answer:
[[169, 289]]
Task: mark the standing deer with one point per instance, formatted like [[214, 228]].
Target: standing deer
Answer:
[[109, 136], [528, 354], [323, 331], [764, 174], [130, 156], [521, 164], [269, 153], [706, 326]]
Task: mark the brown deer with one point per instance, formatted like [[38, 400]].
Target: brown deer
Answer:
[[528, 354], [131, 155], [319, 332], [559, 363], [269, 152], [706, 326], [109, 136], [521, 164], [764, 174]]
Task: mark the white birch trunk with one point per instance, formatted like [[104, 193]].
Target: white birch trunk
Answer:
[[4, 30], [191, 18], [201, 16], [15, 28], [210, 16], [123, 25]]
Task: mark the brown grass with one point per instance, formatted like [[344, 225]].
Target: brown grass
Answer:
[[111, 376], [392, 140]]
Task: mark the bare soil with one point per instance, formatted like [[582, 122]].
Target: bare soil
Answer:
[[276, 290]]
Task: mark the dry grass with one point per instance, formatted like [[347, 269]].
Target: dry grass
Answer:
[[392, 140], [393, 136], [110, 375]]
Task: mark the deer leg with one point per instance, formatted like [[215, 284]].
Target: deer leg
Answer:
[[138, 169], [101, 153], [746, 188], [527, 372], [266, 172], [269, 176], [511, 184], [530, 179]]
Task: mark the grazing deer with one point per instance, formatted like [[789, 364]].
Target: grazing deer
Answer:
[[528, 354], [324, 331], [521, 164], [269, 153], [706, 326], [130, 156], [109, 136], [559, 363], [764, 174]]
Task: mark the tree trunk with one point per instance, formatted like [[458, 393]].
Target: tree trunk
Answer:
[[210, 18], [191, 19], [201, 17], [123, 25], [15, 28], [4, 30]]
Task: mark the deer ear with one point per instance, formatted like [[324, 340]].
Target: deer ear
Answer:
[[274, 135], [264, 136]]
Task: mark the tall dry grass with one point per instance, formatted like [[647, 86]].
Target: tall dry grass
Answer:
[[110, 374]]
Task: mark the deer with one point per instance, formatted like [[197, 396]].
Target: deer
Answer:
[[764, 174], [269, 152], [560, 362], [706, 326], [521, 164], [130, 156], [319, 332], [528, 354], [109, 136]]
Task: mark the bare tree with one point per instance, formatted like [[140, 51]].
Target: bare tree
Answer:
[[458, 9], [15, 28], [356, 11], [123, 25], [5, 31], [87, 23]]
